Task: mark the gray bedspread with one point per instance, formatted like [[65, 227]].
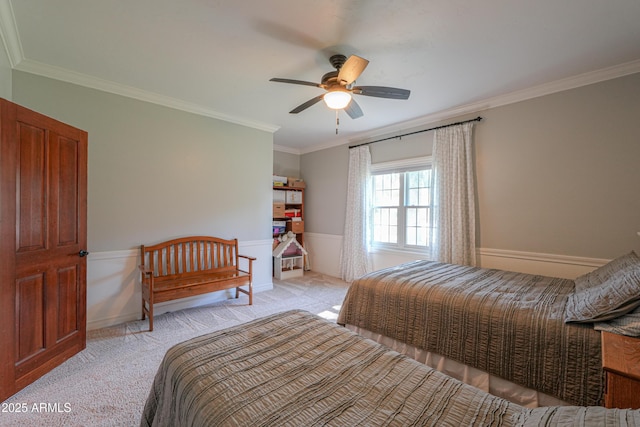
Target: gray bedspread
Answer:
[[296, 369], [508, 324]]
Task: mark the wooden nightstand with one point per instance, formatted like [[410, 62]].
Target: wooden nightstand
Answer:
[[621, 363]]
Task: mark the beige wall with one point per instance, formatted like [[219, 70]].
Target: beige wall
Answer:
[[325, 173], [5, 73], [558, 174], [561, 173], [286, 164], [157, 173]]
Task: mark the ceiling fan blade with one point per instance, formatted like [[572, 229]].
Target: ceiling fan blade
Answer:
[[351, 69], [295, 82], [353, 109], [307, 104], [382, 92]]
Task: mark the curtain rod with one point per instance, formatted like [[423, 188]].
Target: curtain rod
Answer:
[[477, 119]]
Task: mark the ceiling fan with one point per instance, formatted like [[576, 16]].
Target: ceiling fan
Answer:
[[339, 87]]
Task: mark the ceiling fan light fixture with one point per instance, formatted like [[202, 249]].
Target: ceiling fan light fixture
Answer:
[[337, 99], [339, 87]]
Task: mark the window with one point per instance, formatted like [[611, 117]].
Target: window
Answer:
[[401, 205]]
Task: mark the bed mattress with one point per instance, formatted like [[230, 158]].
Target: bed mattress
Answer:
[[507, 324], [297, 369]]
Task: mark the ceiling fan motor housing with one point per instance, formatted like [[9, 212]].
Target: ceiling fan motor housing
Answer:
[[340, 84], [330, 79], [337, 61]]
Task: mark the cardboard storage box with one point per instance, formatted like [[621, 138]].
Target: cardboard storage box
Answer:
[[278, 210], [294, 197], [296, 183], [295, 226], [279, 181]]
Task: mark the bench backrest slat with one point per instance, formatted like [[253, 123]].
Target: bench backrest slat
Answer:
[[190, 255]]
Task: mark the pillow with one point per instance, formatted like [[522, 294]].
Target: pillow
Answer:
[[601, 274], [614, 297], [628, 324]]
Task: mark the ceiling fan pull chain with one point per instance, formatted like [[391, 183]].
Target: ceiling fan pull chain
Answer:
[[337, 122]]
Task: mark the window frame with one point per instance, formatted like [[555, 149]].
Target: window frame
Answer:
[[398, 166]]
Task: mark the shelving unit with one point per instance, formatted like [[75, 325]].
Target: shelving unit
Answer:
[[293, 201], [288, 215]]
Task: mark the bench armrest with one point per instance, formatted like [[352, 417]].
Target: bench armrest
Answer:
[[145, 270], [250, 259]]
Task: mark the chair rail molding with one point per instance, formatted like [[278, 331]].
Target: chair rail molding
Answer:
[[324, 250]]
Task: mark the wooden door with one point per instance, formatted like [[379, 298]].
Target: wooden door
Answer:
[[43, 187]]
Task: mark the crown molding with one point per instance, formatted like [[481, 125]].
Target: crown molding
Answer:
[[561, 85], [9, 33], [14, 50], [568, 83], [285, 149], [11, 41], [334, 143], [85, 80]]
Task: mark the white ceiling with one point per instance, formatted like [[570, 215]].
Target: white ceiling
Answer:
[[216, 57]]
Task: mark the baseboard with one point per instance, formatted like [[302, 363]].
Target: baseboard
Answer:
[[167, 307]]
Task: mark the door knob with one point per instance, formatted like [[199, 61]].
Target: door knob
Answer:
[[83, 253]]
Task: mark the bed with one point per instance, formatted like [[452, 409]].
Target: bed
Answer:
[[502, 331], [295, 368]]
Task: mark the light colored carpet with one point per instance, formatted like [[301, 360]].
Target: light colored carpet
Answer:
[[107, 383]]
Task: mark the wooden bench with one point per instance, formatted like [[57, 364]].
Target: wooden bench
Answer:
[[190, 266]]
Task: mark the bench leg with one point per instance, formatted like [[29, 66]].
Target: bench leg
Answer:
[[249, 292], [150, 317], [149, 311]]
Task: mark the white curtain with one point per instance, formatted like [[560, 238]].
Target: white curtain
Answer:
[[354, 257], [454, 187]]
